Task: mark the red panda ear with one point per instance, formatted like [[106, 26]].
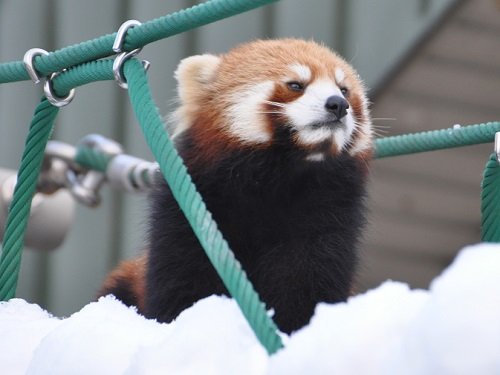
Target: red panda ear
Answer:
[[194, 73], [195, 76]]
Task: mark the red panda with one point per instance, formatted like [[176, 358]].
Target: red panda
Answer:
[[277, 137]]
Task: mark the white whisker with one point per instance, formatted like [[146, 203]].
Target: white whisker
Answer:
[[277, 104], [381, 127], [384, 119], [380, 133], [379, 130]]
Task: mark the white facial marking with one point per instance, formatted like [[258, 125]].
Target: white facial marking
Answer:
[[364, 140], [311, 136], [318, 156], [340, 139], [309, 110], [246, 120], [303, 72], [339, 75], [310, 107]]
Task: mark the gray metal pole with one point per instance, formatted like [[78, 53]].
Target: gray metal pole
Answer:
[[51, 215]]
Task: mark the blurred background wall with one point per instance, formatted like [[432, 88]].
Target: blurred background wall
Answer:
[[429, 64]]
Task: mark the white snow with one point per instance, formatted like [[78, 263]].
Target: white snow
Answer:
[[452, 328]]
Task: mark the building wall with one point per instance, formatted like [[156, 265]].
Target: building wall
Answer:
[[372, 35], [425, 207]]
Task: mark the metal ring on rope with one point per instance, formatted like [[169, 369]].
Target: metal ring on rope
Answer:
[[28, 60], [497, 146], [53, 99], [124, 55], [118, 66]]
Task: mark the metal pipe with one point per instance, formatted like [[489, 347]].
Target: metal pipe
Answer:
[[51, 214]]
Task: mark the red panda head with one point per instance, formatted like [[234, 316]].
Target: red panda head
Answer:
[[248, 95]]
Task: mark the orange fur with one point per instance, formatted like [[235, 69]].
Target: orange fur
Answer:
[[130, 274], [208, 85]]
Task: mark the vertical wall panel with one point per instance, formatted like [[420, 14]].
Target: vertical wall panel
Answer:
[[164, 56], [19, 31], [380, 32], [75, 270], [309, 20], [221, 36]]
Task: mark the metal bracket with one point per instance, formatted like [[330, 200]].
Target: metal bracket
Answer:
[[28, 59], [53, 99], [121, 33], [124, 55], [497, 146], [62, 170], [85, 186]]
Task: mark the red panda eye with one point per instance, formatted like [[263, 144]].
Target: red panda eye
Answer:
[[295, 86]]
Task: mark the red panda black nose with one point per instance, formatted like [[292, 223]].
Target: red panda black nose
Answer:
[[337, 105]]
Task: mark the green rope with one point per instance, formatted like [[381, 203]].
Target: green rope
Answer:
[[490, 201], [92, 159], [176, 174], [13, 241], [436, 139], [191, 203], [385, 147], [93, 71], [207, 232], [172, 167], [138, 36]]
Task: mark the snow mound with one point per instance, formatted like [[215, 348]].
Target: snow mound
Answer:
[[452, 328]]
